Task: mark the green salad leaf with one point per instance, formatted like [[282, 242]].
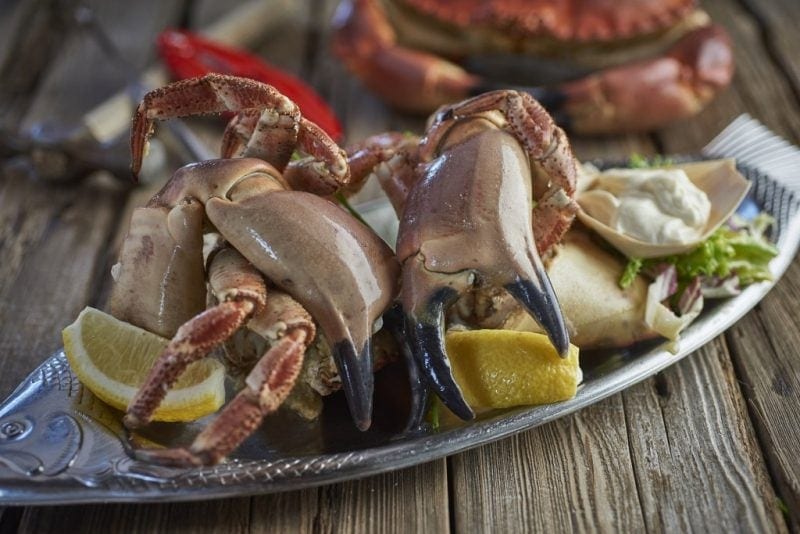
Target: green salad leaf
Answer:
[[629, 274], [638, 161], [738, 248]]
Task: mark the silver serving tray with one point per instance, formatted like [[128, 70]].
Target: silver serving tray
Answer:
[[59, 444]]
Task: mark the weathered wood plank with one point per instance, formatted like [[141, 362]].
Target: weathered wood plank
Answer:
[[227, 515], [12, 15], [777, 23], [574, 474], [764, 343], [33, 31], [764, 348], [41, 227], [409, 500], [698, 464]]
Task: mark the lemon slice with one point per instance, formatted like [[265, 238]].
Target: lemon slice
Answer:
[[504, 368], [112, 358]]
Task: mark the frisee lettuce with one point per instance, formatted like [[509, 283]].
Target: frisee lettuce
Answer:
[[638, 161], [632, 269], [739, 248]]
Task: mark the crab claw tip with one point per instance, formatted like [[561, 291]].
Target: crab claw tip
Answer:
[[426, 341], [428, 344], [541, 302], [355, 371]]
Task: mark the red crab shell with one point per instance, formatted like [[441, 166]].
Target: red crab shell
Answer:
[[562, 20], [593, 62]]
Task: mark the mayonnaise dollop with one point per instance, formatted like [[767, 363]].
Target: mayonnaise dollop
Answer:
[[659, 206]]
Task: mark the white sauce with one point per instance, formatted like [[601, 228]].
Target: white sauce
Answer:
[[659, 206]]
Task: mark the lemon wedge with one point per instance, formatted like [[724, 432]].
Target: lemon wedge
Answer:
[[504, 368], [112, 358]]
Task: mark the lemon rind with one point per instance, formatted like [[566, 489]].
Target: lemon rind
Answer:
[[185, 404]]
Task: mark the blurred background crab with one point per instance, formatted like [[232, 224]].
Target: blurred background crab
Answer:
[[600, 66]]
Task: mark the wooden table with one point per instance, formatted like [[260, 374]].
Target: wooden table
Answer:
[[711, 443]]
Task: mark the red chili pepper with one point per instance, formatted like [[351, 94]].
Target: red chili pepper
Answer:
[[188, 55]]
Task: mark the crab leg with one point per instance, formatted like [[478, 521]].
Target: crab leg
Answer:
[[242, 293], [648, 94], [267, 126], [266, 387], [260, 132], [323, 172], [392, 158], [270, 122]]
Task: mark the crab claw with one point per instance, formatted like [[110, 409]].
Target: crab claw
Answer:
[[468, 223], [333, 265], [426, 297]]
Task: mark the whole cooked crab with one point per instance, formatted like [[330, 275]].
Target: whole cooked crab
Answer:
[[480, 197], [659, 61], [289, 260]]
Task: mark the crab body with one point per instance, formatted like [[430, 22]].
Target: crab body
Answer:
[[407, 51], [543, 27]]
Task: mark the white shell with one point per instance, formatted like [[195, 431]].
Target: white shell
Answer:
[[718, 179]]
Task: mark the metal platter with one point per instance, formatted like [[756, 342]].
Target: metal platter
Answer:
[[59, 444]]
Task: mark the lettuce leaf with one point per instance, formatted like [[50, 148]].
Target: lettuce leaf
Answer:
[[736, 255], [639, 161], [738, 248]]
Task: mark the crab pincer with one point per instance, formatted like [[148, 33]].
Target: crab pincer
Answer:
[[289, 260], [494, 185]]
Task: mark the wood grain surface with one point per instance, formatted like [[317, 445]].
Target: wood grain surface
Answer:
[[709, 445]]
